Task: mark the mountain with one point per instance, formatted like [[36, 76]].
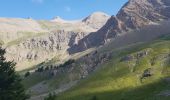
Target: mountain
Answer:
[[30, 42], [133, 15], [126, 59]]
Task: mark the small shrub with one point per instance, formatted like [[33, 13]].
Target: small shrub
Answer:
[[27, 74], [41, 69], [67, 63]]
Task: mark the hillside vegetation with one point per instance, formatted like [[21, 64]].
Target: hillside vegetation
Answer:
[[138, 72]]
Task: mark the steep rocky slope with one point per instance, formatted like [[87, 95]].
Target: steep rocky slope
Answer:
[[30, 42], [138, 13], [133, 15]]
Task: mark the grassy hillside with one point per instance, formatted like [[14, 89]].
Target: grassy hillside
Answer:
[[126, 79]]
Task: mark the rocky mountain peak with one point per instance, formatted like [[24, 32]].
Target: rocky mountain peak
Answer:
[[138, 13], [135, 14], [58, 19], [96, 19], [98, 14]]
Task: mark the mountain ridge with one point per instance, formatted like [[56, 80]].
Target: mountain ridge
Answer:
[[133, 15], [29, 41]]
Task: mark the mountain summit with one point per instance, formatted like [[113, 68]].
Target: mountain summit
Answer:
[[96, 19], [58, 19], [135, 14]]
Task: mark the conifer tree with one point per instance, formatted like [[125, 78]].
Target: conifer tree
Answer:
[[10, 83]]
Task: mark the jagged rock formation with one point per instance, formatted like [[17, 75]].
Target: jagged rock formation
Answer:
[[135, 14], [30, 42], [39, 48]]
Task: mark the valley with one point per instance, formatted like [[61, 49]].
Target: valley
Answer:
[[125, 56]]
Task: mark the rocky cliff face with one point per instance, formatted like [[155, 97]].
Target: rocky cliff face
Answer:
[[30, 42], [135, 14], [45, 47]]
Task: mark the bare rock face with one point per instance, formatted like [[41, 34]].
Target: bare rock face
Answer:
[[100, 37], [44, 47], [135, 14], [59, 40], [138, 13]]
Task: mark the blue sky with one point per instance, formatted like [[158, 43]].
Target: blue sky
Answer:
[[67, 9]]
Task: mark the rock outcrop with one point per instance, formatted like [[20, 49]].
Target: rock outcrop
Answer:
[[53, 44]]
